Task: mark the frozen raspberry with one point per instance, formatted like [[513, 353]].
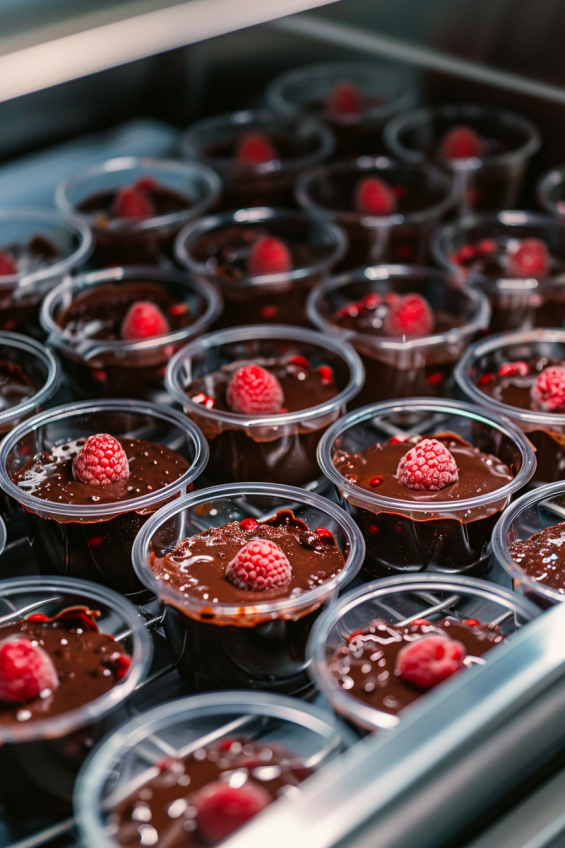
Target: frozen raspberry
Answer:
[[143, 320], [7, 267], [411, 315], [428, 465], [254, 391], [428, 661], [548, 392], [26, 670], [269, 255], [345, 99], [374, 197], [461, 142], [222, 808], [100, 461], [259, 565], [132, 203], [254, 149], [530, 260]]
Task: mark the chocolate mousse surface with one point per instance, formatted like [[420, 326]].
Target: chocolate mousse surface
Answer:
[[365, 667], [375, 469], [196, 566], [368, 315], [15, 385], [165, 201], [493, 257], [160, 812], [49, 475], [513, 388], [542, 556], [88, 663]]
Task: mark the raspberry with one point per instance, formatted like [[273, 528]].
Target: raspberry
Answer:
[[410, 316], [143, 320], [428, 465], [254, 149], [511, 369], [461, 142], [7, 267], [26, 671], [374, 197], [345, 99], [100, 461], [254, 391], [259, 565], [548, 392], [269, 255], [222, 808], [428, 661], [530, 260], [132, 203]]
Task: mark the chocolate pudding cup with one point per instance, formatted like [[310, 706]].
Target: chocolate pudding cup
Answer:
[[545, 430], [51, 246], [94, 541], [40, 758], [38, 366], [386, 90], [259, 645], [138, 241], [3, 536], [136, 751], [489, 182], [393, 600], [397, 366], [515, 302], [300, 141], [408, 536], [401, 236], [99, 367], [532, 513], [267, 298], [269, 448], [550, 192]]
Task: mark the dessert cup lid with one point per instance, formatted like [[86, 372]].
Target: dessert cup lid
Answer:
[[49, 387]]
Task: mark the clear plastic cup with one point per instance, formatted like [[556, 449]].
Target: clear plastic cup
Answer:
[[387, 90], [543, 507], [127, 757], [545, 430], [426, 194], [395, 599], [396, 366], [138, 241], [266, 298], [39, 366], [300, 141], [515, 303], [39, 760], [95, 541], [272, 448], [225, 645], [3, 536], [489, 182], [550, 192], [21, 294], [107, 368], [448, 536]]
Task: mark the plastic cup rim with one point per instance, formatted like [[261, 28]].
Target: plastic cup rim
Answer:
[[52, 380]]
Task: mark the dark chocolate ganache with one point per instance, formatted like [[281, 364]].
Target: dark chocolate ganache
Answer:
[[100, 312], [163, 811], [374, 469], [512, 383], [88, 663], [161, 200], [49, 475], [196, 567], [365, 667], [500, 256], [369, 315], [303, 386], [15, 386], [542, 556], [26, 258]]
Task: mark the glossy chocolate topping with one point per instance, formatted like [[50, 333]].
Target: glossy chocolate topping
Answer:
[[164, 200], [88, 663], [491, 257], [160, 812], [37, 253], [303, 387], [49, 476], [374, 469], [542, 556], [368, 315], [365, 667], [196, 566], [15, 386], [515, 389]]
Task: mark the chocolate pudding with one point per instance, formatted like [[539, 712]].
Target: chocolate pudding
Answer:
[[15, 386], [365, 667], [20, 314], [542, 556], [164, 811]]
